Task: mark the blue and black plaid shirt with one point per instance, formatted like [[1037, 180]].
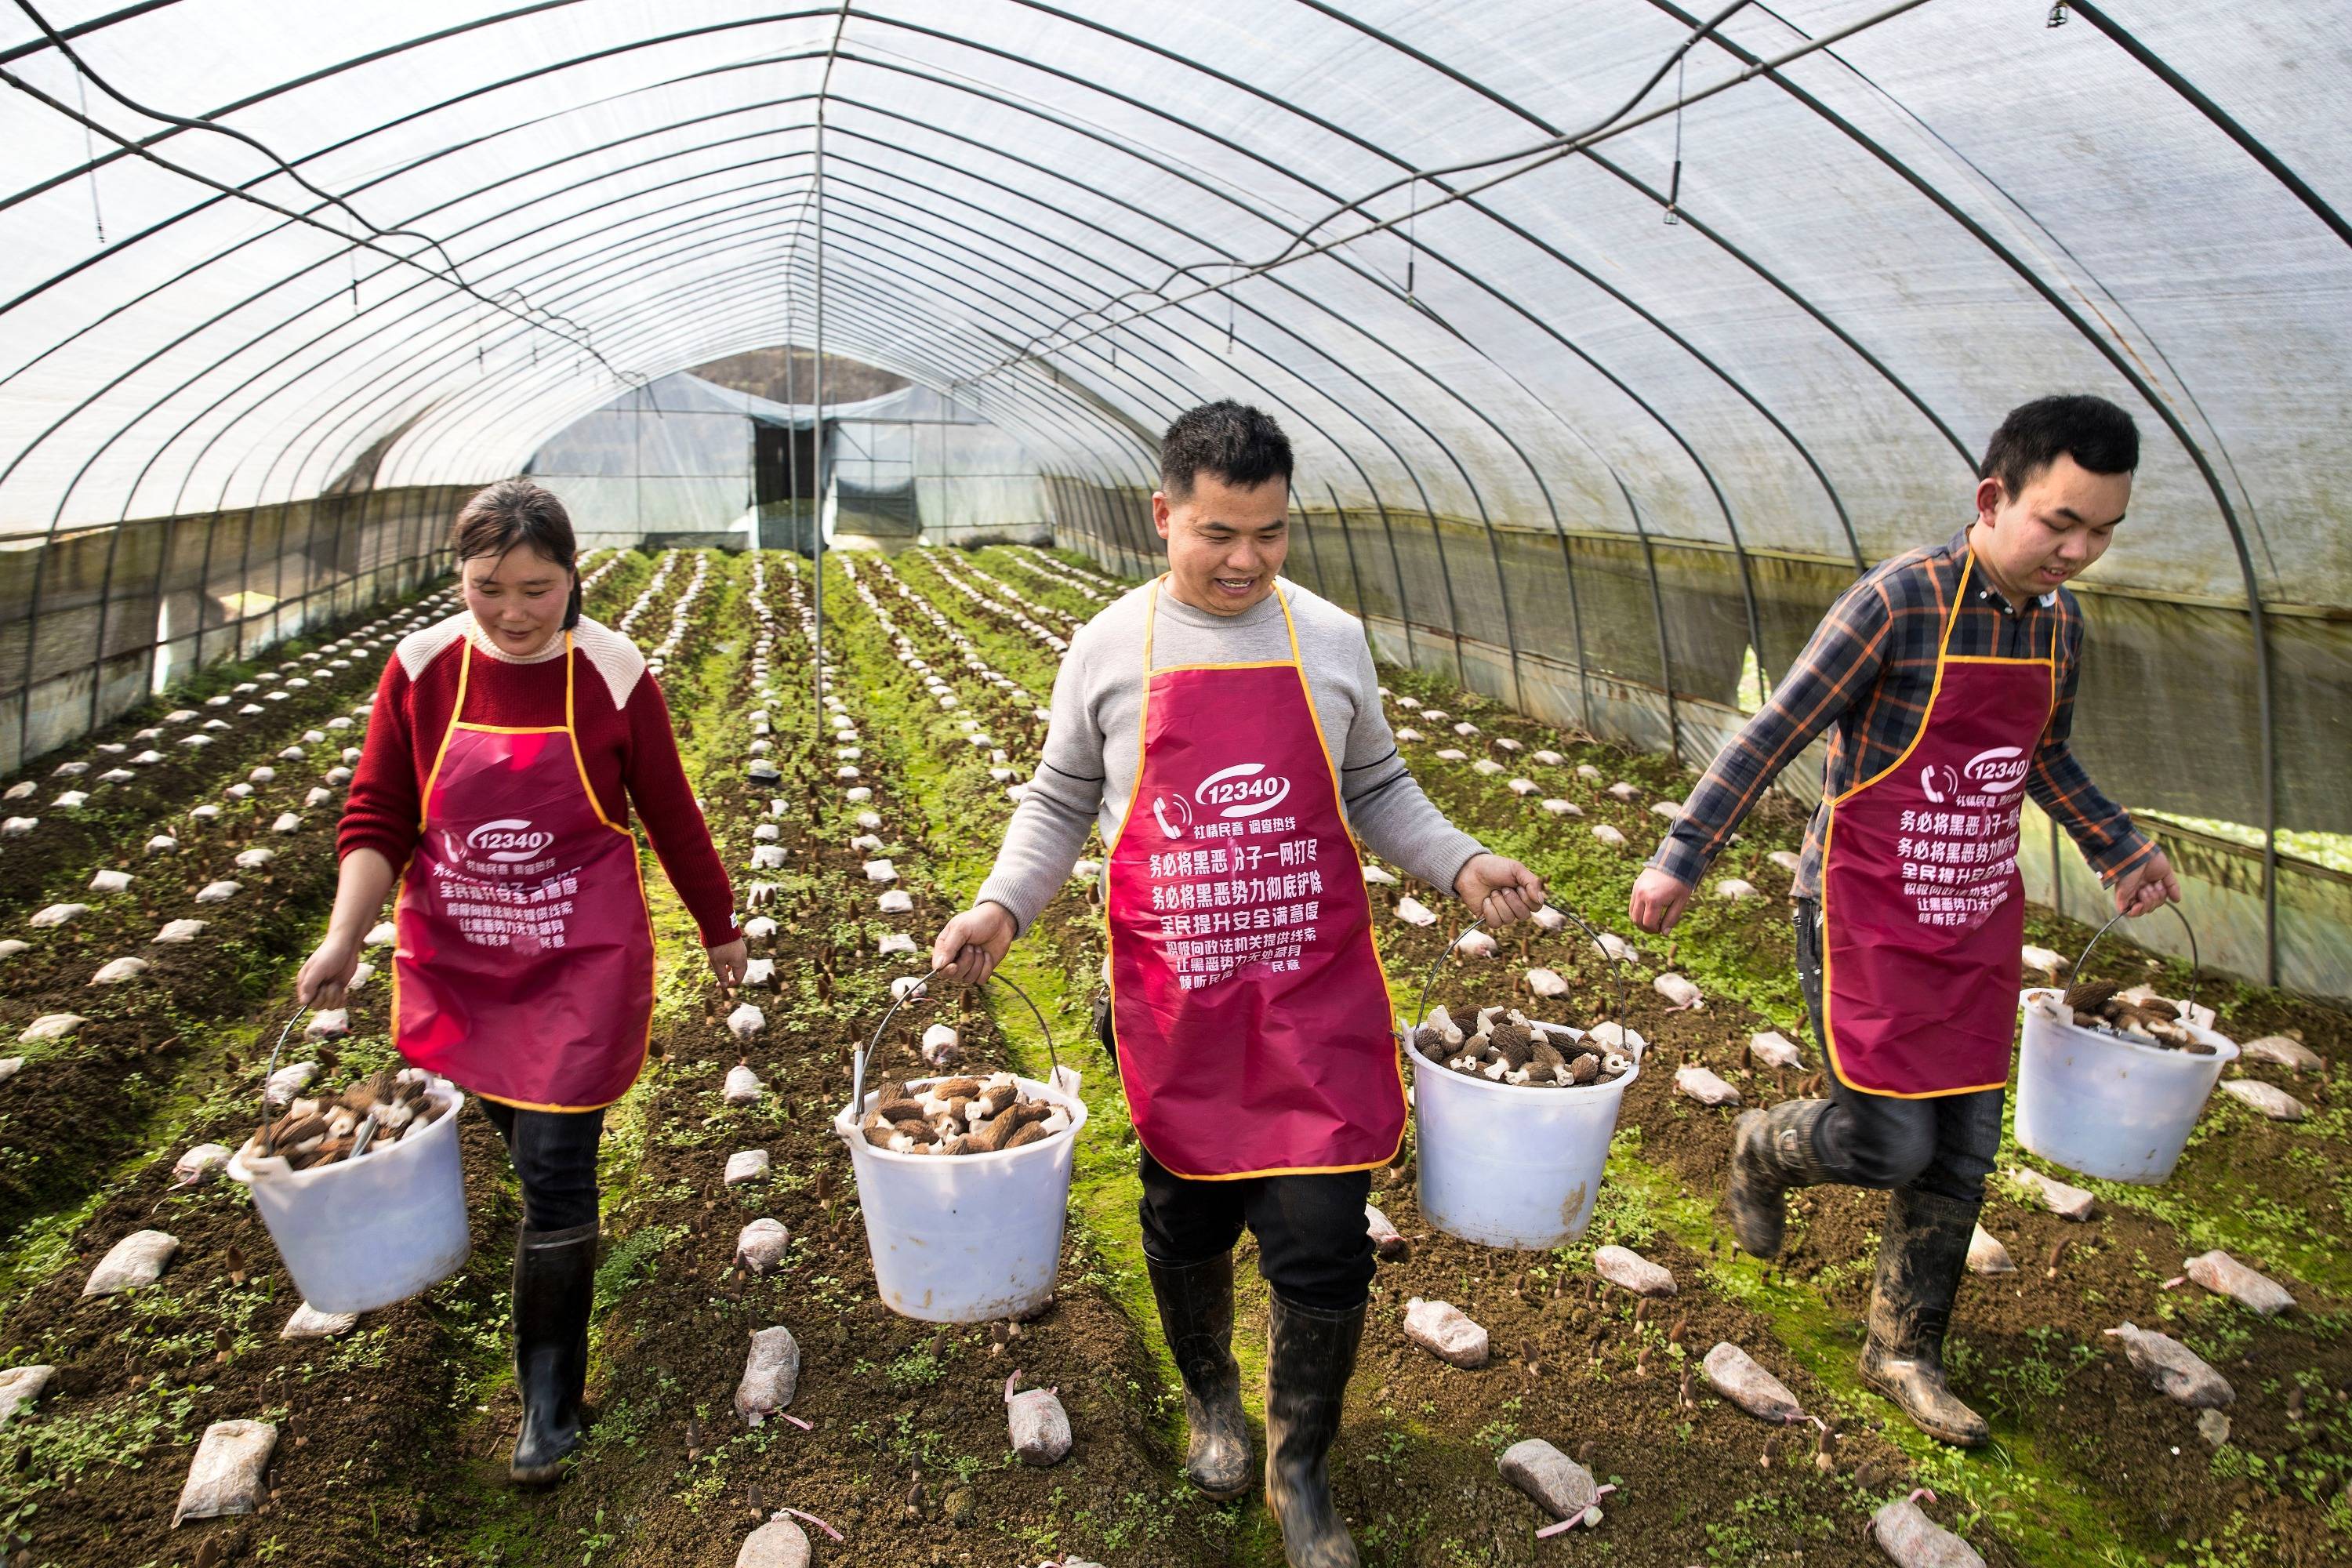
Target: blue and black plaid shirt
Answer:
[[1867, 676]]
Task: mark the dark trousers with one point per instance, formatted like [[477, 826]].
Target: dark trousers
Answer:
[[1312, 1245], [554, 1154], [1944, 1145]]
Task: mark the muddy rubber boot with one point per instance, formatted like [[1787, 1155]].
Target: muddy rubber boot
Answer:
[[554, 1283], [1771, 1150], [1196, 1313], [1309, 1355], [1922, 1254]]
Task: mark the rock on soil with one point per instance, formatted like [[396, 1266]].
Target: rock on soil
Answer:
[[771, 1374], [1413, 911], [20, 1386], [2177, 1372], [1546, 983], [1703, 1085], [2267, 1098], [1679, 991], [1774, 1049], [52, 1026], [1629, 1270], [137, 1260], [10, 1067], [1445, 1332], [2225, 1275], [1387, 1241], [226, 1477], [779, 1544], [1560, 1485], [2212, 1428], [1734, 1374], [2282, 1050], [1608, 836], [742, 1086], [199, 1163], [2065, 1201], [746, 1021], [310, 1323], [760, 1244], [746, 1166], [1913, 1541], [1988, 1255], [1038, 1425]]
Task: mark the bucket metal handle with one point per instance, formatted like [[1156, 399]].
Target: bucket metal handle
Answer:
[[859, 1059], [2189, 1004], [268, 1137], [1421, 1009]]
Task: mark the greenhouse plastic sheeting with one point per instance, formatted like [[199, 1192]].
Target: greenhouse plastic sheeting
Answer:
[[1550, 441]]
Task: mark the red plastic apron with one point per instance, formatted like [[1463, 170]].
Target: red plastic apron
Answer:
[[524, 964], [1250, 1012], [1922, 905]]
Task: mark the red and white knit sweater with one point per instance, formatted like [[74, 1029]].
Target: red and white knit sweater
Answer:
[[621, 724]]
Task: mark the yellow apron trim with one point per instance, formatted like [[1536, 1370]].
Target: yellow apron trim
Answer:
[[570, 728], [1829, 831], [1396, 1062]]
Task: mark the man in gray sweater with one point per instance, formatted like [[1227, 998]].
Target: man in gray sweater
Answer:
[[1223, 730]]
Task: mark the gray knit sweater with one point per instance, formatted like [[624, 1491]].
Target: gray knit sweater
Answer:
[[1088, 770]]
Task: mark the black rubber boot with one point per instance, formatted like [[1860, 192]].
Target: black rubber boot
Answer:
[[1922, 1253], [1771, 1150], [1196, 1311], [1309, 1355], [554, 1283]]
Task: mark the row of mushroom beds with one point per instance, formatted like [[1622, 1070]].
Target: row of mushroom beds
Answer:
[[224, 1477], [976, 1117]]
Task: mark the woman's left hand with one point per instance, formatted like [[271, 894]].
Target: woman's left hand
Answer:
[[727, 961]]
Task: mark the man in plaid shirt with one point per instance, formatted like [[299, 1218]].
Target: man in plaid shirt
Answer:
[[1895, 656]]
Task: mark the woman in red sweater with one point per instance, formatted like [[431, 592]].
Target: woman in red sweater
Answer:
[[503, 750]]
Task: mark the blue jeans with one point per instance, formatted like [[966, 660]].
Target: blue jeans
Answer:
[[1944, 1145]]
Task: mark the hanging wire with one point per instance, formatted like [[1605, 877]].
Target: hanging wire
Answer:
[[1675, 186], [1527, 159], [89, 156], [83, 73], [1411, 217]]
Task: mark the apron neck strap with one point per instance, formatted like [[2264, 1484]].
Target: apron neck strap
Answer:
[[466, 675]]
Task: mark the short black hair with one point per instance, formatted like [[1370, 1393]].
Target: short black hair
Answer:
[[2093, 431], [1241, 444]]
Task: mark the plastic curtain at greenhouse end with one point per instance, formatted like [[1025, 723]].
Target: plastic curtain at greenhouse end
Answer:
[[283, 279], [680, 461]]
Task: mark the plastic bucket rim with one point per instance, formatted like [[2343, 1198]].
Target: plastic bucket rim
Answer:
[[845, 1126], [2225, 1049], [1549, 1092], [276, 1173]]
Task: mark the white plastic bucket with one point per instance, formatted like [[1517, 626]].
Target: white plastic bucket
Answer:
[[1509, 1165], [962, 1239], [2110, 1107], [363, 1234]]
